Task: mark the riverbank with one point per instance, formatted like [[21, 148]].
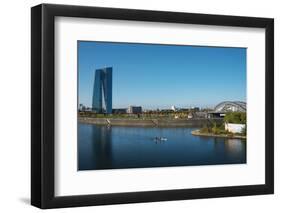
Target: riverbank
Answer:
[[198, 133], [149, 122]]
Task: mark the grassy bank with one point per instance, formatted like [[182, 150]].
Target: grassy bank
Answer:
[[229, 135]]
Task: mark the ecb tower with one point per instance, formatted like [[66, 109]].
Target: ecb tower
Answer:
[[102, 91]]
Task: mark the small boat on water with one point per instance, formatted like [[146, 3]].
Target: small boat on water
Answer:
[[160, 139]]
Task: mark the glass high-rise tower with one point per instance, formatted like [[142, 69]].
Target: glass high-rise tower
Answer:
[[102, 91]]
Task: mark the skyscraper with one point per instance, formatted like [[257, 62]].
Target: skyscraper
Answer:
[[102, 91]]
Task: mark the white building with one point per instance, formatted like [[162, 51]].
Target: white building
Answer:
[[234, 128], [174, 108]]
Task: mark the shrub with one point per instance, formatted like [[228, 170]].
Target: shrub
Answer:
[[205, 129]]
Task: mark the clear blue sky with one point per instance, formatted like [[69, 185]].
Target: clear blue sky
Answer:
[[159, 76]]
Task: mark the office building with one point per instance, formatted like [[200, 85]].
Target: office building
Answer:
[[102, 91], [134, 110]]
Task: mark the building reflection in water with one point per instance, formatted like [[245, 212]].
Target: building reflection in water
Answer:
[[230, 147], [95, 147], [102, 146], [234, 146]]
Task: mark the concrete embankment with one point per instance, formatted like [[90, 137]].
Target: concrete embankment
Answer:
[[149, 122]]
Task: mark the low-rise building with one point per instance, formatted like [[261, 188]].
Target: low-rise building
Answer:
[[234, 128], [134, 110], [119, 111]]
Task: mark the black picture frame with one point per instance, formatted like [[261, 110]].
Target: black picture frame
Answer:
[[43, 110]]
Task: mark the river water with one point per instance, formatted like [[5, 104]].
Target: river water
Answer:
[[116, 147]]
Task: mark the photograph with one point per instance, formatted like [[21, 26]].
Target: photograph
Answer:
[[143, 105], [138, 105]]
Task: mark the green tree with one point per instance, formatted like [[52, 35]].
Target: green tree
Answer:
[[235, 117]]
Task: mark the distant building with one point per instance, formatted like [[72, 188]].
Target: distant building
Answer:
[[81, 107], [102, 92], [215, 115], [119, 111], [173, 108], [190, 115], [87, 109], [183, 110], [134, 110], [200, 114], [197, 115], [195, 109]]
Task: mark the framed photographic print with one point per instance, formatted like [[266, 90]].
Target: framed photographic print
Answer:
[[139, 106]]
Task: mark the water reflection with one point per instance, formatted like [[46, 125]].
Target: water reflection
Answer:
[[95, 147], [234, 146], [102, 147]]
